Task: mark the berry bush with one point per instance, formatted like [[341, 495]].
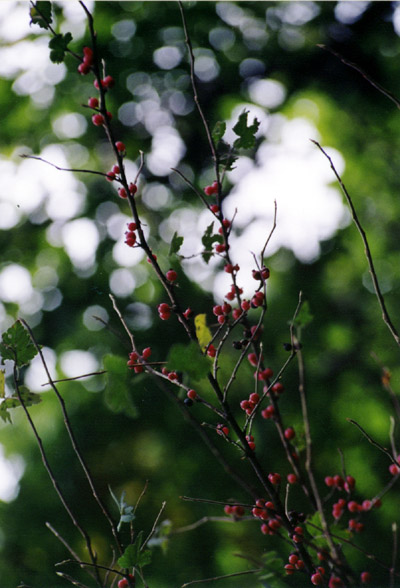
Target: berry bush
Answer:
[[222, 381]]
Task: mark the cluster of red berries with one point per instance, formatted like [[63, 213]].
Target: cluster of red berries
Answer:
[[230, 269], [172, 376], [211, 351], [221, 311], [164, 311], [85, 66], [234, 510], [222, 430], [130, 236], [132, 190], [250, 442], [262, 274], [249, 405], [106, 83], [137, 361], [340, 483], [295, 563], [211, 190]]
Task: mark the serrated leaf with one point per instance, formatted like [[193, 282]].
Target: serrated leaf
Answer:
[[188, 359], [40, 14], [218, 131], [117, 393], [208, 239], [176, 244], [246, 133], [132, 555], [4, 414], [58, 46], [17, 345]]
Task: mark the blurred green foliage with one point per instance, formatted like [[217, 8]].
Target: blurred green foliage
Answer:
[[129, 430]]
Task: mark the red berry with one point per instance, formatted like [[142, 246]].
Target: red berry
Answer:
[[274, 478], [108, 82], [98, 119], [229, 268], [268, 412], [253, 359], [88, 53], [278, 388], [146, 353], [211, 351], [238, 510], [245, 305], [217, 310], [120, 146], [230, 296], [292, 478], [365, 577], [122, 193], [228, 508], [138, 369], [335, 582], [254, 397], [172, 376], [329, 481], [394, 469], [290, 569], [222, 319], [192, 394], [265, 273], [289, 433], [316, 579], [221, 430], [220, 247], [110, 176], [164, 316], [208, 191], [115, 169], [214, 208], [124, 582], [132, 188], [339, 482], [163, 307], [84, 68], [93, 102], [171, 275], [266, 375], [237, 313], [188, 313], [293, 558], [226, 308]]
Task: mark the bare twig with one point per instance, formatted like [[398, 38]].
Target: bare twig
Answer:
[[394, 556], [373, 83], [154, 527], [375, 443], [378, 292], [215, 578]]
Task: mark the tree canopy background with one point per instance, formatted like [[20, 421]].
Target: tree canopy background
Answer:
[[139, 435]]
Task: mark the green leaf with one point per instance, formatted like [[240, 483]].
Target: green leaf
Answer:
[[208, 239], [126, 511], [273, 570], [117, 393], [188, 359], [16, 344], [304, 316], [176, 244], [27, 397], [132, 555], [40, 14], [58, 46], [218, 131], [246, 133]]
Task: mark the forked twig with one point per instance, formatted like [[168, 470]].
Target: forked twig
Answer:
[[371, 267]]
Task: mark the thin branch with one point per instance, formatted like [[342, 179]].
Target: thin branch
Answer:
[[271, 232], [394, 556], [52, 477], [375, 443], [378, 292], [64, 542], [76, 378], [67, 169], [73, 440], [215, 578], [154, 527], [373, 83]]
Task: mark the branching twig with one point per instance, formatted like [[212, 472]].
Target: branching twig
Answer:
[[378, 292]]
